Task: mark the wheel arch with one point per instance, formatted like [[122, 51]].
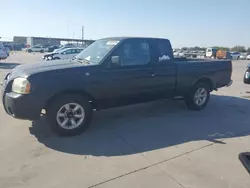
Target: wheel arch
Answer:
[[82, 93], [207, 81]]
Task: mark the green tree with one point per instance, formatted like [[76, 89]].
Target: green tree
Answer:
[[238, 49], [221, 48]]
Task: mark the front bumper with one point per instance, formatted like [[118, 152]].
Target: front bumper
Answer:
[[21, 106]]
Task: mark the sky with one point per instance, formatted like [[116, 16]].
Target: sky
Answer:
[[185, 22]]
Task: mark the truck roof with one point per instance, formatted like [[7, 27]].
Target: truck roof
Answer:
[[123, 38]]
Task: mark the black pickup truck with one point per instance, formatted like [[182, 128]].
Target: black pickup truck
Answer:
[[109, 73]]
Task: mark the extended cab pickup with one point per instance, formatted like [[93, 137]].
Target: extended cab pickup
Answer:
[[110, 72]]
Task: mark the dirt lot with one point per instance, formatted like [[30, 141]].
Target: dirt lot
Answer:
[[157, 144]]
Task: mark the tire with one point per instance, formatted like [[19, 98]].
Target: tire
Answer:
[[29, 51], [58, 114], [245, 79], [191, 101]]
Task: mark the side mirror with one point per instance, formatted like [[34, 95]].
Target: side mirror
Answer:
[[115, 60]]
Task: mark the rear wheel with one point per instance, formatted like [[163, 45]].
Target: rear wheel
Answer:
[[198, 97], [70, 115], [29, 50]]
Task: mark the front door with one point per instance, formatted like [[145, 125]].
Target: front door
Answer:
[[68, 54], [132, 78]]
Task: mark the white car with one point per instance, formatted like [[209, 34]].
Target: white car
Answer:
[[60, 49], [68, 53], [36, 48], [3, 52], [211, 53], [243, 56], [235, 55], [248, 57]]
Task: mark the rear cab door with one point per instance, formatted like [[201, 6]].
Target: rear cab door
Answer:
[[165, 69]]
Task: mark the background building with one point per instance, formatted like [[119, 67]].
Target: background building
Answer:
[[20, 39], [31, 41]]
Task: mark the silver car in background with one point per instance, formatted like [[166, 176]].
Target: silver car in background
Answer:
[[243, 56]]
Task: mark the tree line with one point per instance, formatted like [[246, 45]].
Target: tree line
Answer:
[[234, 49]]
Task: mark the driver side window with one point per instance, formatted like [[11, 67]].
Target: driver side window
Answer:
[[134, 52], [67, 52]]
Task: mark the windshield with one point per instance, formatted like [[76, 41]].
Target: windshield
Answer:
[[97, 51], [60, 49]]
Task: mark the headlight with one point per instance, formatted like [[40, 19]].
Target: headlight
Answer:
[[21, 85]]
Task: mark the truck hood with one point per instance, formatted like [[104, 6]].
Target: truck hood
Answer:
[[28, 69]]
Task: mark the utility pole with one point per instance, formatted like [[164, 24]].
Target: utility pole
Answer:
[[82, 34]]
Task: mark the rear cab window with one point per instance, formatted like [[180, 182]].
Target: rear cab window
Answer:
[[163, 51]]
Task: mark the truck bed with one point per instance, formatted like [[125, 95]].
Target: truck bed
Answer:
[[189, 71]]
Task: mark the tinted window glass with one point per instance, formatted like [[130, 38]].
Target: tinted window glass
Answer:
[[68, 52], [164, 52], [97, 50], [134, 53]]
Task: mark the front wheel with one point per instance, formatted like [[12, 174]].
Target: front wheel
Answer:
[[69, 115], [198, 97]]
